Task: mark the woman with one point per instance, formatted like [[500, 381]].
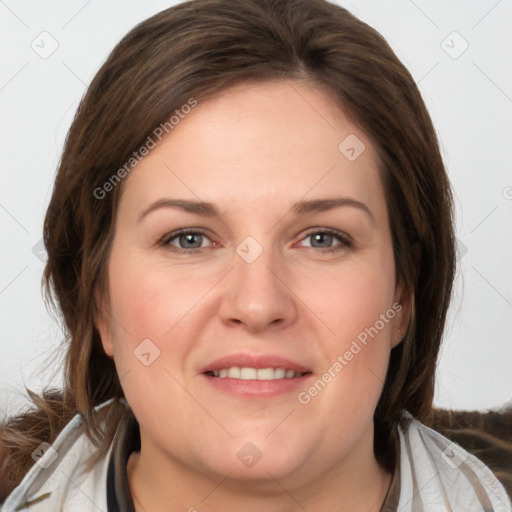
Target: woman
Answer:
[[250, 239]]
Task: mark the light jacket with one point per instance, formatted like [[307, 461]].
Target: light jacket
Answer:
[[433, 475]]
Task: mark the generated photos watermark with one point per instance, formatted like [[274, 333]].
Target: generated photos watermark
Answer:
[[305, 397], [157, 135]]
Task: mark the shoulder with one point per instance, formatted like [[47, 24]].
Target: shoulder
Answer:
[[59, 477], [436, 471]]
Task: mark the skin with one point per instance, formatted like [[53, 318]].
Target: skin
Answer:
[[254, 150]]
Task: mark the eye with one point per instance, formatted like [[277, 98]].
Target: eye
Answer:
[[323, 239], [187, 240], [194, 240]]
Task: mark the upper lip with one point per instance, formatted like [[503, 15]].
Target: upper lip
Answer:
[[257, 361]]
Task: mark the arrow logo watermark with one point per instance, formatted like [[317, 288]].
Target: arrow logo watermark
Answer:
[[351, 147], [39, 455], [146, 352], [249, 455], [249, 249]]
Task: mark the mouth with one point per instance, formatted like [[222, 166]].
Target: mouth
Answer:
[[255, 376], [248, 373]]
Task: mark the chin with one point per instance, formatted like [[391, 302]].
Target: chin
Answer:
[[258, 460], [278, 466]]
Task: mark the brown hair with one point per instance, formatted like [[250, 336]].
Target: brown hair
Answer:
[[196, 49]]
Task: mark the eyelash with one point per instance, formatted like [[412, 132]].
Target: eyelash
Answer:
[[345, 240]]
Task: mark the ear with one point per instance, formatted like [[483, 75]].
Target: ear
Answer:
[[404, 306], [103, 326]]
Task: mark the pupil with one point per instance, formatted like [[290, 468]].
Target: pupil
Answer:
[[189, 238], [322, 237]]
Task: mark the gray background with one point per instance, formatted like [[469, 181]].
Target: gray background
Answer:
[[468, 92]]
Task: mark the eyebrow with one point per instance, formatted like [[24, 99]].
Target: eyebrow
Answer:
[[207, 209]]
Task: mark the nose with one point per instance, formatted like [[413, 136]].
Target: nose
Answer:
[[257, 295]]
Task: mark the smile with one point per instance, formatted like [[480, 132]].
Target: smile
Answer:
[[248, 373]]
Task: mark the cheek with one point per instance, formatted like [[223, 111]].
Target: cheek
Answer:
[[352, 297], [355, 302], [150, 299], [149, 312]]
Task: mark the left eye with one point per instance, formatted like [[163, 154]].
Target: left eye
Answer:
[[324, 240]]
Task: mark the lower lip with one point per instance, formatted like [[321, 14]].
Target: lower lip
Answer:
[[257, 388]]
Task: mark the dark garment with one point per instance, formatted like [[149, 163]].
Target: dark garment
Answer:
[[126, 441]]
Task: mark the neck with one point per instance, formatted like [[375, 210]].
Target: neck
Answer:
[[355, 483]]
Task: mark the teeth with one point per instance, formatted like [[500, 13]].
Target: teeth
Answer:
[[279, 373], [247, 373], [266, 374], [234, 372]]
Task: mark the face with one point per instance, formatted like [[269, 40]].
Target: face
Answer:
[[290, 279]]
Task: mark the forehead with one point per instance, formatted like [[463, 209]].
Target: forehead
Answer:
[[258, 145]]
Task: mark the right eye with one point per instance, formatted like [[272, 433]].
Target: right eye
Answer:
[[188, 240]]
